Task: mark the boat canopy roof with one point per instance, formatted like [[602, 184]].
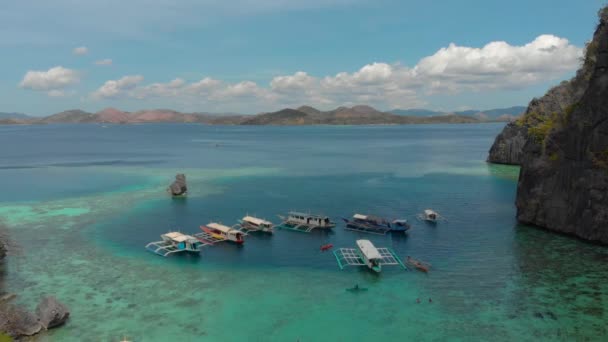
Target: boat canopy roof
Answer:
[[429, 212], [295, 213], [360, 217], [368, 249], [220, 227], [179, 237], [256, 220]]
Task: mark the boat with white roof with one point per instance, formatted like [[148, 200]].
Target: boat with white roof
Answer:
[[216, 232], [431, 216], [305, 222], [174, 242], [366, 254], [254, 224]]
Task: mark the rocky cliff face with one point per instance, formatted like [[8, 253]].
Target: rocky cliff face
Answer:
[[563, 184], [557, 102], [509, 145]]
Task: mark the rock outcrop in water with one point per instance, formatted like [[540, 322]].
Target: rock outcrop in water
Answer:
[[509, 145], [563, 184], [51, 313], [178, 187], [18, 322]]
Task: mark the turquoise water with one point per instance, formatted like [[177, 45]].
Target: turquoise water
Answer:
[[81, 201]]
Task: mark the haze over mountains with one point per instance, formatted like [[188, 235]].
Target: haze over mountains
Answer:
[[304, 115], [500, 114]]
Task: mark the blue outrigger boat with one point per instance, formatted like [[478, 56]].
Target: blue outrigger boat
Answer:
[[375, 225]]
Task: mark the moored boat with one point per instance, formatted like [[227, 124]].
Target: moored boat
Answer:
[[431, 216], [326, 247], [420, 265], [252, 223], [305, 222], [222, 232], [174, 242], [370, 254], [375, 224]]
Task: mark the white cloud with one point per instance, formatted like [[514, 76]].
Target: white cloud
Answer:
[[53, 81], [81, 50], [106, 61], [499, 65], [450, 70], [118, 88]]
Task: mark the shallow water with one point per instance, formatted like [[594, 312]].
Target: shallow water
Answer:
[[80, 202]]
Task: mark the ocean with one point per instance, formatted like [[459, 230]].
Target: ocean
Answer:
[[80, 202]]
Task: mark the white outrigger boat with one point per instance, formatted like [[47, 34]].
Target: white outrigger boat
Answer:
[[174, 242], [254, 224], [366, 254], [213, 233], [305, 223], [430, 216]]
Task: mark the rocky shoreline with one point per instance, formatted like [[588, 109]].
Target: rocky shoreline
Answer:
[[16, 321]]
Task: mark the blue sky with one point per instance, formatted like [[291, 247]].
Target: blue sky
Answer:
[[260, 55]]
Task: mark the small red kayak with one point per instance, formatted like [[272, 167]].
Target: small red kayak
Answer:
[[326, 247]]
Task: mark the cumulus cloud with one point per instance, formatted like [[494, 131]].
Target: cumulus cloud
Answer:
[[499, 65], [53, 81], [452, 69], [125, 86], [81, 50], [106, 61]]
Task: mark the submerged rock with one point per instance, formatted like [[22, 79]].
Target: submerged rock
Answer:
[[178, 187], [563, 183], [51, 313], [539, 315]]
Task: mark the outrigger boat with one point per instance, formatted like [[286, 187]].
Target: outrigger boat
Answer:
[[254, 224], [174, 242], [366, 254], [215, 232], [375, 225], [420, 265], [305, 223], [430, 216]]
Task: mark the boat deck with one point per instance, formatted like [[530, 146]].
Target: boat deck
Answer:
[[352, 257]]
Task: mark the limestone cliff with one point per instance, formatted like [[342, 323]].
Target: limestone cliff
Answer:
[[557, 102], [563, 184]]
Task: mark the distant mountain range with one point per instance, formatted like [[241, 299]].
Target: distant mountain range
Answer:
[[499, 114], [305, 115], [13, 116]]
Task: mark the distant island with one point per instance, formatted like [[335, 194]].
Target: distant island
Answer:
[[304, 115]]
